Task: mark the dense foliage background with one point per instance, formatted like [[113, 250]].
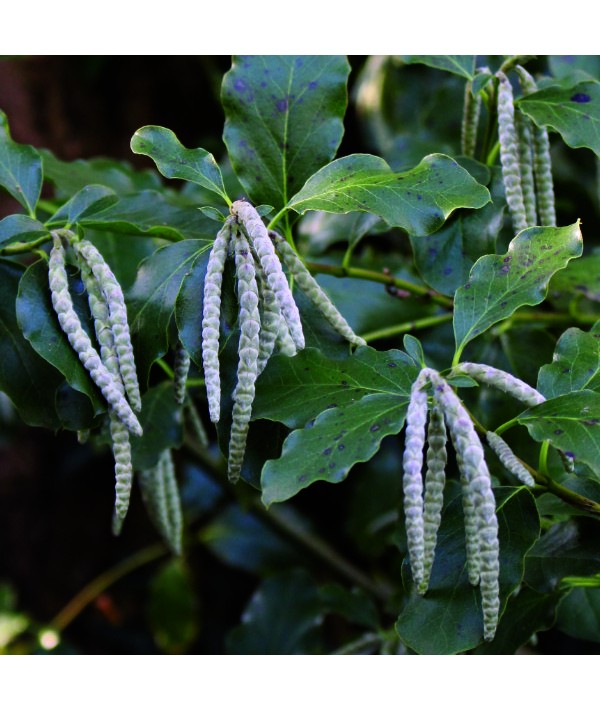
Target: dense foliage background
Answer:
[[318, 573]]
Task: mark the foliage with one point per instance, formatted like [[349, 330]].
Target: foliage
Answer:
[[352, 293]]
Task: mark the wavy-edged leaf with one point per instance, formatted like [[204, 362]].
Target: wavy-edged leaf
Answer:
[[500, 284], [326, 449], [39, 324], [20, 169], [295, 390], [418, 200], [572, 424], [175, 161], [21, 228], [573, 111], [461, 64], [68, 177], [151, 300], [575, 365], [283, 120], [88, 201], [28, 380], [161, 421], [448, 618], [579, 613]]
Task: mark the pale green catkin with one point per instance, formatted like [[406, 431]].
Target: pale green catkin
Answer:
[[509, 154], [526, 165], [249, 321], [117, 318], [80, 341], [509, 458], [160, 494], [271, 267], [211, 317], [123, 471], [181, 368], [477, 480], [270, 320], [120, 437], [284, 342], [542, 162], [412, 480], [305, 281], [435, 479], [502, 380], [470, 121]]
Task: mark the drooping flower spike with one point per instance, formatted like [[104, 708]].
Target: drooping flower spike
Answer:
[[502, 381], [181, 368], [509, 459]]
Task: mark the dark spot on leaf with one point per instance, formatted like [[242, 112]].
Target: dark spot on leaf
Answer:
[[322, 470], [432, 252], [503, 304], [240, 85], [338, 436], [263, 84], [344, 383], [447, 271], [592, 422], [302, 478], [313, 84], [506, 259], [571, 455], [505, 269], [375, 427], [581, 98], [467, 285], [558, 432], [282, 105], [327, 451], [419, 197], [341, 447], [392, 365], [331, 406], [567, 370]]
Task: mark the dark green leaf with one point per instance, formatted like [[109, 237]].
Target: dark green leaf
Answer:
[[173, 613], [241, 539], [565, 550], [580, 279], [295, 390], [20, 169], [282, 617], [175, 161], [352, 605], [566, 66], [579, 614], [445, 258], [324, 229], [161, 421], [572, 424], [461, 64], [418, 200], [26, 378], [575, 365], [149, 213], [21, 228], [283, 120], [500, 284], [74, 409], [448, 618], [39, 324], [573, 111], [68, 177], [326, 449], [87, 202], [152, 299]]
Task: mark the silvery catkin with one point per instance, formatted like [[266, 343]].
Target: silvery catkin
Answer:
[[542, 162], [211, 317], [80, 341], [181, 368], [412, 480], [249, 320], [509, 153], [477, 479], [123, 471], [509, 458], [435, 479], [502, 380], [308, 284], [271, 267], [526, 166], [270, 320], [117, 310]]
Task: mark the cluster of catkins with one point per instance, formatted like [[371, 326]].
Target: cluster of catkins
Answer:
[[268, 315], [423, 500], [524, 153]]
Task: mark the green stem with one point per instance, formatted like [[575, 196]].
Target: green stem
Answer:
[[492, 120], [275, 220], [380, 278], [405, 327], [25, 247], [166, 367], [511, 62], [91, 591], [543, 459], [368, 640]]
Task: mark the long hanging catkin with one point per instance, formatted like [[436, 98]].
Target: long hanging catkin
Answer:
[[211, 316], [80, 341], [271, 267], [435, 478], [509, 458], [181, 368], [524, 138], [249, 320], [509, 154], [270, 320], [502, 380], [117, 313], [307, 283]]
